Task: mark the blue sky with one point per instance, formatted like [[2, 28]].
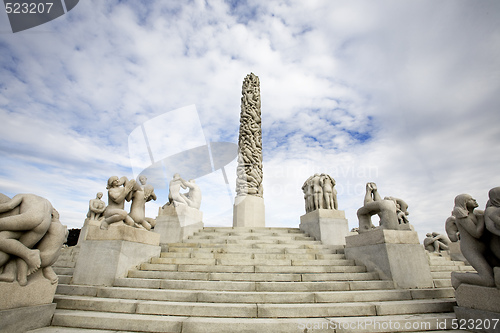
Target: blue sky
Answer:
[[402, 93]]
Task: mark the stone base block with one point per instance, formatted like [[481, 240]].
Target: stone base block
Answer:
[[396, 255], [23, 319], [327, 225], [38, 291], [249, 212], [85, 229], [473, 320], [100, 262], [121, 231], [479, 298], [174, 224]]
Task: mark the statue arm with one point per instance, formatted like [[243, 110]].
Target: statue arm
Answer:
[[470, 227], [11, 204]]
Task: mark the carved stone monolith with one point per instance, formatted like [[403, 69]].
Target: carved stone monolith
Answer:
[[249, 203]]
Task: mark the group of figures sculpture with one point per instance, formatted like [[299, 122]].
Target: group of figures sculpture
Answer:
[[392, 211], [479, 234], [249, 170], [119, 191], [175, 198], [320, 193], [31, 237]]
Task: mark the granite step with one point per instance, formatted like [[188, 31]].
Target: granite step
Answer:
[[247, 296], [253, 285], [245, 256], [228, 248], [253, 262], [150, 323], [232, 276], [253, 310]]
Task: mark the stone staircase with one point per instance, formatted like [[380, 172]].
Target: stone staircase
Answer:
[[442, 266], [249, 280]]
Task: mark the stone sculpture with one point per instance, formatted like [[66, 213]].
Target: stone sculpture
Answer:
[[320, 193], [435, 242], [118, 190], [249, 170], [31, 237], [479, 245], [192, 198], [96, 208], [141, 194], [174, 188], [391, 217]]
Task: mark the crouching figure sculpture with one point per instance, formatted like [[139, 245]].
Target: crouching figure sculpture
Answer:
[[31, 237]]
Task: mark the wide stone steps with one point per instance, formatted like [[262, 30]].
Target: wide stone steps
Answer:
[[126, 322], [253, 310], [247, 280], [217, 296], [442, 266]]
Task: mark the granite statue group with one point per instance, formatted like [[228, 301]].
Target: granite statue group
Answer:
[[320, 193], [119, 190], [479, 234]]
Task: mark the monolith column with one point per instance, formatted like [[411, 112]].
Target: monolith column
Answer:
[[248, 210]]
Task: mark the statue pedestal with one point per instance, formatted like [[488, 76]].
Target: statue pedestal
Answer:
[[396, 255], [175, 224], [109, 254], [24, 308], [327, 225], [85, 229], [249, 212], [478, 305], [26, 318]]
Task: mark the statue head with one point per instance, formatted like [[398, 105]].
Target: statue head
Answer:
[[113, 181], [176, 176], [428, 234], [463, 204], [143, 179], [99, 195], [494, 197]]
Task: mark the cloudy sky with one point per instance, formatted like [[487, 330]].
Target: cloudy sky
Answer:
[[402, 93]]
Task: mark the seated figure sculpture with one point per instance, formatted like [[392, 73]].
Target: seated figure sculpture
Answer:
[[435, 242], [31, 237], [96, 208], [385, 208], [477, 243]]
